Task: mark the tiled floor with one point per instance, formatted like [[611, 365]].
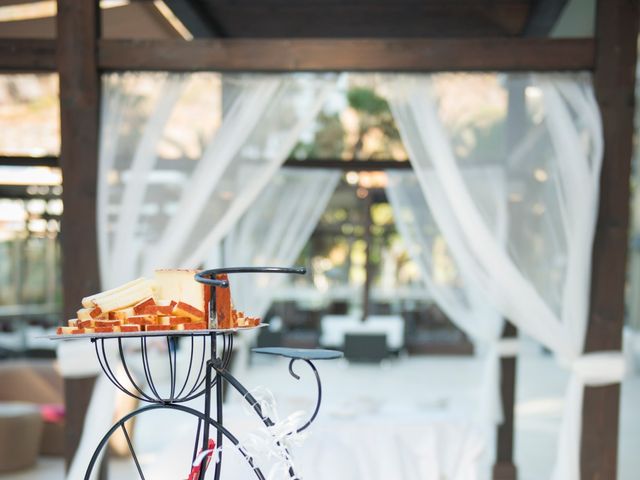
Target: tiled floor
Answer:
[[540, 389]]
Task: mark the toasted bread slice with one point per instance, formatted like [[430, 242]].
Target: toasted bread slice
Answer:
[[139, 308], [143, 319], [121, 315], [79, 331], [172, 320], [156, 328], [253, 322], [107, 323], [129, 328], [191, 326], [183, 309], [104, 329]]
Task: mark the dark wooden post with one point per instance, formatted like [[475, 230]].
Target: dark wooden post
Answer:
[[368, 267], [504, 468], [614, 81], [76, 44]]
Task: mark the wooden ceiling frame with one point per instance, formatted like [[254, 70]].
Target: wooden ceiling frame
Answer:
[[315, 55]]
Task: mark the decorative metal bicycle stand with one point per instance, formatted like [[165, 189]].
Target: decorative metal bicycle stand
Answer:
[[207, 360]]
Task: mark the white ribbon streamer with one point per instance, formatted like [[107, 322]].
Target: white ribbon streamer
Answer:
[[508, 347], [596, 369]]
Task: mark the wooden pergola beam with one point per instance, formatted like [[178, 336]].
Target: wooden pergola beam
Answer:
[[370, 54], [614, 82], [24, 161], [33, 55], [349, 165], [324, 163], [289, 55]]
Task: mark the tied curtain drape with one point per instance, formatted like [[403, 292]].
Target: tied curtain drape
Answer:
[[539, 277], [181, 161]]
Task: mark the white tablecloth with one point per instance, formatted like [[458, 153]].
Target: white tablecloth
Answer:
[[380, 446], [391, 423], [334, 328]]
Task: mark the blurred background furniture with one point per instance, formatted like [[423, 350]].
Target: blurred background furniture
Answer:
[[37, 382], [365, 347], [429, 332], [20, 434], [334, 328]]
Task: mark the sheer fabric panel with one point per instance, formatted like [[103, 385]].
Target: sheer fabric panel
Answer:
[[459, 295], [539, 278], [274, 231], [175, 174]]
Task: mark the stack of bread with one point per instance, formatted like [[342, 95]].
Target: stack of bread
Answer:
[[173, 300]]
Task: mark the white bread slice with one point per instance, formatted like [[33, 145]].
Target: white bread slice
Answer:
[[88, 302], [142, 320], [83, 314], [183, 309], [125, 298]]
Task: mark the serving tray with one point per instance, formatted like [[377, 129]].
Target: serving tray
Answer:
[[161, 333]]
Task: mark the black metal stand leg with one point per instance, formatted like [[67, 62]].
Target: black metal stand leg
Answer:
[[132, 450], [195, 445], [207, 406], [318, 384], [218, 466], [233, 381]]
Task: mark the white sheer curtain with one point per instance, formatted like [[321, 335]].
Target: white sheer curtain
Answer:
[[167, 196], [458, 293], [175, 175], [275, 230], [422, 229], [273, 233], [540, 281]]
